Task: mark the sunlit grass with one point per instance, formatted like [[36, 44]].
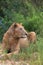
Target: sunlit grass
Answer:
[[33, 53]]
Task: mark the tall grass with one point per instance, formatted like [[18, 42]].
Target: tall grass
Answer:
[[34, 53]]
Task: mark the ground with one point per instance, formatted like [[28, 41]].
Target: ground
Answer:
[[33, 55]]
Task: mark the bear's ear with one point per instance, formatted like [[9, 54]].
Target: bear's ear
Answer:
[[15, 25]]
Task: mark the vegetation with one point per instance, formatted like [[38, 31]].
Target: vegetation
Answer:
[[30, 13], [33, 54]]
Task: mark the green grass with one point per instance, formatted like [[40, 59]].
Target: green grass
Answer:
[[33, 54]]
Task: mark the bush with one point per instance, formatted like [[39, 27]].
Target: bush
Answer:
[[32, 22]]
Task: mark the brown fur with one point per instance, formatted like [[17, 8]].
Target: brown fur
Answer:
[[32, 37], [25, 42], [12, 36]]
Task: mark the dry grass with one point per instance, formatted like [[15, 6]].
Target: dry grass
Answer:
[[33, 55]]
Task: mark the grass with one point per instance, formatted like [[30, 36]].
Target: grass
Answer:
[[33, 54]]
